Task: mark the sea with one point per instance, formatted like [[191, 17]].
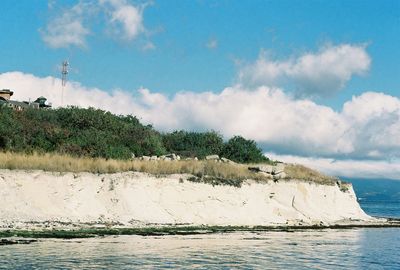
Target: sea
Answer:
[[358, 248]]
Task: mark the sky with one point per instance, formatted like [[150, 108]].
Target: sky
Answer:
[[313, 82]]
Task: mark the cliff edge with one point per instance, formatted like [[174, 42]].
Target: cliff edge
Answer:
[[133, 199]]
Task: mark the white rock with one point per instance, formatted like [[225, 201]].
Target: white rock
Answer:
[[280, 175], [171, 156], [278, 168], [225, 160], [212, 157], [262, 168], [270, 169]]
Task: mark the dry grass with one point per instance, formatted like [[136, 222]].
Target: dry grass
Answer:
[[65, 163], [296, 171]]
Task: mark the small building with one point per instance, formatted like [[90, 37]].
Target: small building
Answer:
[[5, 100], [6, 94]]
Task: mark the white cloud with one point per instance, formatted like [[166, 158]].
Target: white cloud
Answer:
[[125, 19], [68, 29], [71, 28], [312, 74], [367, 128], [375, 124], [29, 87]]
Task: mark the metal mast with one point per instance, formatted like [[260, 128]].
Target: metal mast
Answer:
[[64, 73]]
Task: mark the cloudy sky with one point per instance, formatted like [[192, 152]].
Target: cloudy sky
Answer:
[[313, 82]]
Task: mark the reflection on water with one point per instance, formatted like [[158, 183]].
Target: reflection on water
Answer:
[[325, 249]]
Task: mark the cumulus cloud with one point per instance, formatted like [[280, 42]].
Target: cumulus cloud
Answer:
[[68, 29], [311, 74], [28, 87], [375, 121], [71, 28], [367, 128], [125, 19]]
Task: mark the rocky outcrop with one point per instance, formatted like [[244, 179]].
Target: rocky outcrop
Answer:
[[273, 171], [174, 157], [216, 158], [169, 157], [212, 157], [140, 199]]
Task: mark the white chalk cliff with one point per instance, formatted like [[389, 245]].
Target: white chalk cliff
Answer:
[[135, 199]]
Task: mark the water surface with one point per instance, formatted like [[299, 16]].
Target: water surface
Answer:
[[324, 249], [378, 197]]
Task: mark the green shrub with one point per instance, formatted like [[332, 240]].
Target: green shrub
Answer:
[[193, 144], [78, 132], [97, 133], [241, 150]]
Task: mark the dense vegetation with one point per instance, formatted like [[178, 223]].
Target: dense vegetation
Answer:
[[96, 133], [193, 144], [79, 132]]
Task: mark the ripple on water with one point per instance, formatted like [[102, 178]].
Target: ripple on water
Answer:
[[324, 249]]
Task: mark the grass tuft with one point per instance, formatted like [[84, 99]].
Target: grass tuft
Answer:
[[296, 171]]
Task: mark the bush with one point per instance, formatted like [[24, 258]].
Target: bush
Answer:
[[97, 133], [78, 132], [193, 144], [241, 150]]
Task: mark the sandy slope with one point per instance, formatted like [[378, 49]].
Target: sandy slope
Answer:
[[140, 199]]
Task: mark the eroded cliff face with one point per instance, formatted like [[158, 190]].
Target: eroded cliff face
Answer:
[[136, 199]]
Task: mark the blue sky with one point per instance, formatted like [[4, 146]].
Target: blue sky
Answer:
[[181, 29], [331, 67]]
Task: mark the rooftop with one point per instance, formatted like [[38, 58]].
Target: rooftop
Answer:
[[6, 91]]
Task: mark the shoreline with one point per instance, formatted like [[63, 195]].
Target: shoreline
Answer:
[[165, 230]]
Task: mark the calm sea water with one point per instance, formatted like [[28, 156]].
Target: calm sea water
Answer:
[[378, 197], [372, 248]]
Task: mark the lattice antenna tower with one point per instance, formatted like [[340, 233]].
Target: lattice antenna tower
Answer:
[[64, 73]]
